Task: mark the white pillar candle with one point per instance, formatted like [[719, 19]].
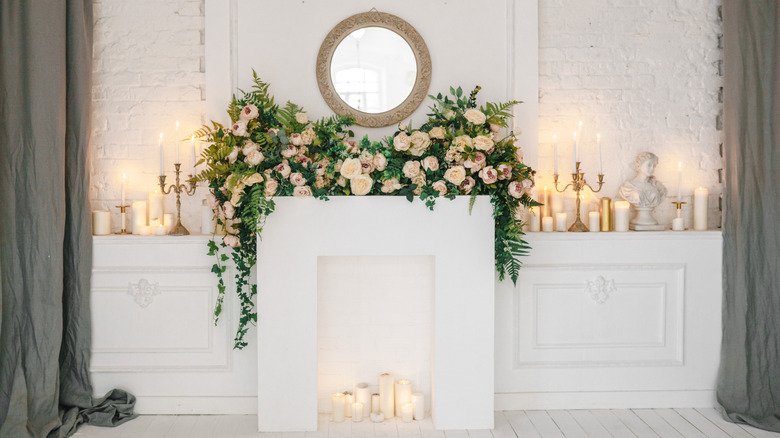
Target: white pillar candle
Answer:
[[363, 396], [159, 230], [357, 412], [678, 224], [556, 202], [534, 219], [349, 400], [123, 189], [403, 394], [560, 222], [386, 396], [407, 412], [621, 215], [547, 224], [144, 230], [375, 405], [377, 417], [338, 407], [555, 154], [155, 206], [594, 221], [139, 215], [168, 222], [101, 222], [700, 208], [162, 156], [418, 400]]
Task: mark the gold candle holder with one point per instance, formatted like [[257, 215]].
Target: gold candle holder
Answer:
[[179, 188], [606, 214], [578, 184], [678, 224], [123, 212]]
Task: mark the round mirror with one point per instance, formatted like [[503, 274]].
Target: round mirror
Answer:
[[375, 67]]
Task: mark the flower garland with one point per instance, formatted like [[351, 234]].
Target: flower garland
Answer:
[[273, 151]]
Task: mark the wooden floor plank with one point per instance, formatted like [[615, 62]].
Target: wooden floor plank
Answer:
[[521, 424], [707, 427], [612, 423], [567, 424], [589, 423], [456, 434], [759, 433], [544, 425], [408, 430], [633, 422], [657, 423], [682, 425], [501, 426], [427, 430], [480, 433], [385, 429], [733, 430]]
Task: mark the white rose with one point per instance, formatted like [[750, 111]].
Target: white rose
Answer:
[[475, 116], [237, 193], [253, 179], [361, 185], [401, 142], [270, 187], [308, 136], [455, 175], [233, 155], [419, 143], [283, 168], [453, 154], [467, 185], [302, 191], [254, 158], [419, 180], [296, 139], [390, 185], [249, 112], [290, 151], [231, 241], [228, 210], [437, 132], [449, 114], [430, 163], [411, 169], [515, 189], [239, 129], [380, 162], [249, 146], [402, 126], [483, 143], [504, 171], [461, 141], [341, 181], [351, 168], [440, 186], [297, 179], [366, 157], [301, 118], [488, 175]]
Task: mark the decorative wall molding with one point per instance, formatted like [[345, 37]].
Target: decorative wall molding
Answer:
[[600, 289], [143, 292]]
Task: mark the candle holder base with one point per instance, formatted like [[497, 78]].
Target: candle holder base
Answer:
[[179, 230], [578, 226], [638, 227]]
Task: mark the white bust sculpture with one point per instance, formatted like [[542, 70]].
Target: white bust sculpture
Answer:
[[643, 191]]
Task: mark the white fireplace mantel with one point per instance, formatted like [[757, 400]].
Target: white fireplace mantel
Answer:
[[301, 230]]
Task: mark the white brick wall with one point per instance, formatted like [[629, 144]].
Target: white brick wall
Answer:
[[642, 73]]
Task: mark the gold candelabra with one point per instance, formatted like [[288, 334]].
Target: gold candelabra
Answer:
[[578, 183], [178, 188]]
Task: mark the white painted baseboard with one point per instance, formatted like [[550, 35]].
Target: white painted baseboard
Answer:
[[605, 400], [146, 405]]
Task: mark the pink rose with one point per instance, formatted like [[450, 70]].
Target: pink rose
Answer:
[[440, 186], [519, 155], [212, 200], [270, 187], [289, 152], [297, 179], [368, 167], [296, 139], [283, 168], [239, 129], [380, 162], [249, 112], [231, 241], [495, 128], [489, 175], [504, 171], [229, 210], [302, 191], [352, 147], [467, 185], [303, 160], [390, 185], [515, 189], [430, 163], [273, 131]]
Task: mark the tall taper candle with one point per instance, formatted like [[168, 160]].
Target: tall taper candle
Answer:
[[579, 131], [700, 209], [192, 145], [598, 145], [574, 154], [177, 142], [555, 154], [418, 400], [162, 155], [123, 189], [679, 180]]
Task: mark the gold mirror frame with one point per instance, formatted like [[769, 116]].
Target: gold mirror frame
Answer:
[[409, 34]]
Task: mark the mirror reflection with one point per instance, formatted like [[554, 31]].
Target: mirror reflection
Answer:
[[373, 70]]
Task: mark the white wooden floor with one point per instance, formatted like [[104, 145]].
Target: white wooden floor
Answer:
[[638, 423]]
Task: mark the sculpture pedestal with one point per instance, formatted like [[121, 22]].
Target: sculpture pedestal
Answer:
[[644, 220]]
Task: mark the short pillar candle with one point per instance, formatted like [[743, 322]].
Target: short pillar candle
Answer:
[[407, 412], [338, 407], [357, 412], [560, 222], [594, 221], [547, 224], [418, 400], [403, 394], [621, 215]]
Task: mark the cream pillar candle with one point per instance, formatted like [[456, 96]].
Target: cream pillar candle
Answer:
[[403, 394], [545, 201], [386, 396], [407, 412], [144, 230], [139, 215], [556, 202], [159, 230], [594, 221], [349, 400], [418, 400], [363, 396], [168, 222], [700, 208], [377, 417], [678, 224], [155, 206], [621, 215], [560, 222], [338, 408], [547, 224], [375, 405], [101, 222], [533, 219], [357, 412]]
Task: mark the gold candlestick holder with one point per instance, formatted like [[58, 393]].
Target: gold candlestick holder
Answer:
[[577, 184], [178, 188], [123, 212], [678, 223]]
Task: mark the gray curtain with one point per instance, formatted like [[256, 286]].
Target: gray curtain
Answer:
[[45, 238], [749, 380]]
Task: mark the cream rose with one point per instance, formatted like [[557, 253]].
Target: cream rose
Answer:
[[301, 118], [430, 163], [302, 191], [342, 181], [455, 175], [440, 186], [239, 129], [320, 182], [254, 158], [467, 185], [449, 114], [462, 141], [489, 175], [361, 185], [453, 154], [515, 189], [270, 187], [519, 155], [233, 156], [366, 157], [297, 179], [380, 161], [419, 180], [437, 132], [411, 169], [402, 126], [283, 168], [228, 210], [475, 116], [352, 147], [231, 241], [290, 151], [351, 168], [308, 136], [237, 193], [249, 112], [249, 146], [401, 142], [253, 179], [296, 139], [482, 143], [390, 185], [419, 143], [504, 171]]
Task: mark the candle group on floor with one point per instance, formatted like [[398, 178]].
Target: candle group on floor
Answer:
[[395, 398]]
